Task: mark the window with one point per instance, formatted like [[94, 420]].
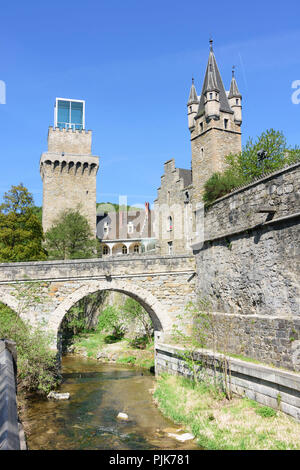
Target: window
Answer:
[[69, 114], [236, 101], [170, 224], [201, 126], [190, 109], [105, 250], [170, 248], [136, 249], [130, 227], [105, 228], [210, 96], [124, 250], [225, 123]]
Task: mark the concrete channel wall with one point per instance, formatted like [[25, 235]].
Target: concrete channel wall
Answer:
[[276, 388], [11, 432]]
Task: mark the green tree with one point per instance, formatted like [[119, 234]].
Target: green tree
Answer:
[[244, 167], [70, 237], [21, 233], [110, 320], [134, 311]]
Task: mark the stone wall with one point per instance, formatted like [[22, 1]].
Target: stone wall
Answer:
[[248, 268], [267, 385]]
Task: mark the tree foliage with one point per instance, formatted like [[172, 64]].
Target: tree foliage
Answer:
[[133, 311], [244, 167], [21, 232], [70, 237], [37, 368]]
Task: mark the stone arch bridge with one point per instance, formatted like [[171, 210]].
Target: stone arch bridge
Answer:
[[43, 292]]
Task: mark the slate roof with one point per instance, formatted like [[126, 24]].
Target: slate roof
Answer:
[[234, 91], [213, 81], [193, 97]]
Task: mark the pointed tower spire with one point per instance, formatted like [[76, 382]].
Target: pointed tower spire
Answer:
[[213, 82], [234, 91], [235, 99], [193, 97], [192, 105]]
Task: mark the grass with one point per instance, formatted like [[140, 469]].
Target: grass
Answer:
[[93, 343], [219, 424]]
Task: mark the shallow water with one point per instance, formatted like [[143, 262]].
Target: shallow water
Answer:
[[88, 420]]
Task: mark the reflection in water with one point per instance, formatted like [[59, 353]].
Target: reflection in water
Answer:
[[98, 392]]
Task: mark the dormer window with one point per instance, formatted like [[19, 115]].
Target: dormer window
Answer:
[[201, 126], [225, 123], [210, 96], [105, 228], [190, 109], [236, 101]]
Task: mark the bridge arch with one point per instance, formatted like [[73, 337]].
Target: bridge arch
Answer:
[[161, 319]]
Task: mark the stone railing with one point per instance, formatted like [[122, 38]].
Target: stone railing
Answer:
[[11, 432]]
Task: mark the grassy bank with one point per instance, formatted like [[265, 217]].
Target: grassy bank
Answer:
[[97, 345], [219, 424]]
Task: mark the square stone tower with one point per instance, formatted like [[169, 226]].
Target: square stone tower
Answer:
[[215, 120], [68, 169]]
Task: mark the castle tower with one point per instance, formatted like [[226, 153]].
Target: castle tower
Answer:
[[68, 169], [215, 128]]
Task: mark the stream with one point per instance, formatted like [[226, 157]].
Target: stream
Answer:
[[88, 420]]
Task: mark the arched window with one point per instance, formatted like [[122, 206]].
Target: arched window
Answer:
[[124, 250], [136, 249], [170, 223], [105, 250]]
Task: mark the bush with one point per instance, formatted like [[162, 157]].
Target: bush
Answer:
[[36, 363]]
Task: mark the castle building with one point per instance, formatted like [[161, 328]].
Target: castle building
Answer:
[[68, 169], [125, 232], [214, 121]]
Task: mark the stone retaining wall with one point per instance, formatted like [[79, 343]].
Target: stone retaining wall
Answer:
[[249, 268], [272, 387]]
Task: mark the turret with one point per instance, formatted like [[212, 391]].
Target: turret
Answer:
[[235, 100], [193, 104], [211, 96]]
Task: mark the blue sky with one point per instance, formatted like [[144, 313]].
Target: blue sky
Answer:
[[132, 61]]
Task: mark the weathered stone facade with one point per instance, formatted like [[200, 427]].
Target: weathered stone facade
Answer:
[[68, 171], [248, 268], [173, 213], [162, 285]]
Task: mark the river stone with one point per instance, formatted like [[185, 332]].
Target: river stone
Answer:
[[182, 437], [58, 396], [122, 416]]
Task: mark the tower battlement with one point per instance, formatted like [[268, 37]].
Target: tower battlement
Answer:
[[69, 141]]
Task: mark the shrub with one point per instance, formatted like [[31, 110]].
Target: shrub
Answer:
[[36, 363]]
